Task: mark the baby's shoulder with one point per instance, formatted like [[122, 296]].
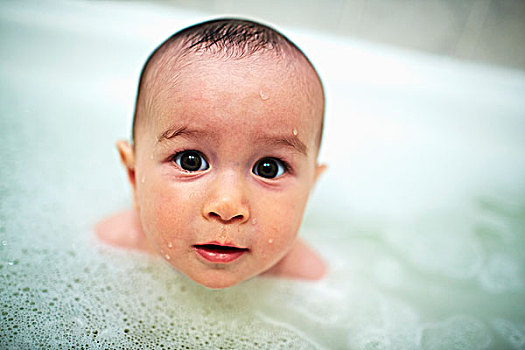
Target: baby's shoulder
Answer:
[[122, 230], [302, 262]]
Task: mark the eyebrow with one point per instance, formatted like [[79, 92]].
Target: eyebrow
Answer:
[[175, 131], [289, 141]]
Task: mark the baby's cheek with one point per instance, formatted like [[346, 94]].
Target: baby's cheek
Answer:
[[162, 217], [288, 212], [272, 249], [288, 217], [279, 233]]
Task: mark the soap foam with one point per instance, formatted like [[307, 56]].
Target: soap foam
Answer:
[[407, 247]]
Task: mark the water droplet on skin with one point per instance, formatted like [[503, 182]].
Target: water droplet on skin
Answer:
[[294, 132], [4, 243], [270, 241], [167, 257], [143, 179], [170, 245], [254, 221], [264, 97]]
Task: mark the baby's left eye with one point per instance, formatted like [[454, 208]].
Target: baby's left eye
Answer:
[[269, 168]]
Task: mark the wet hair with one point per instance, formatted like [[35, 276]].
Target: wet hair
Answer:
[[228, 38]]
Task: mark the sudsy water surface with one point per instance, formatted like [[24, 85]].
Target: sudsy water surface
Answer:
[[421, 215]]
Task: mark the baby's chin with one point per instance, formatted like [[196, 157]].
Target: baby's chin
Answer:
[[219, 279], [219, 284]]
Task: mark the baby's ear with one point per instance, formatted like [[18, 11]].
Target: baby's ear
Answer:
[[319, 169], [127, 157]]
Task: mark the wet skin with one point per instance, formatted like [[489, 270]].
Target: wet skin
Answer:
[[221, 174]]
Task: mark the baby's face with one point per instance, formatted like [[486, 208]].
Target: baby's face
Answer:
[[224, 165]]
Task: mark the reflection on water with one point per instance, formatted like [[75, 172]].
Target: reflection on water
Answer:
[[421, 214]]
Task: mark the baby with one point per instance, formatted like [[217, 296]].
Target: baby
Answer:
[[227, 128]]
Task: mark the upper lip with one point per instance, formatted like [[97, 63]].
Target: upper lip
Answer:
[[219, 244]]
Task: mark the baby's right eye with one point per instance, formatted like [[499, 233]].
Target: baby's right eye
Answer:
[[191, 161]]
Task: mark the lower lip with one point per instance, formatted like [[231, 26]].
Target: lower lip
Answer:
[[217, 256]]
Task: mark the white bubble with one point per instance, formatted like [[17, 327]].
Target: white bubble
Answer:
[[458, 332], [514, 333], [501, 273]]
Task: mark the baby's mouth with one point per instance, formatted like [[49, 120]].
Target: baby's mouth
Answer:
[[218, 253]]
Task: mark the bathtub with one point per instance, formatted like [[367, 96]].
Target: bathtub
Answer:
[[420, 216]]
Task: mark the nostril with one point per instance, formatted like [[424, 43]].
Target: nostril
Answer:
[[214, 215], [223, 218]]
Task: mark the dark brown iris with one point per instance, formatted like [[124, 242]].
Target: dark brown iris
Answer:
[[267, 168], [191, 161]]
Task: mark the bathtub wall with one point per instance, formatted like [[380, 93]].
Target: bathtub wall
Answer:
[[486, 31]]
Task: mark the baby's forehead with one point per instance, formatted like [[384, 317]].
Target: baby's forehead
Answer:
[[171, 76], [260, 78], [217, 106], [169, 82]]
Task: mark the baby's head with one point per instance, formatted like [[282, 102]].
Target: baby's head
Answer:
[[228, 124]]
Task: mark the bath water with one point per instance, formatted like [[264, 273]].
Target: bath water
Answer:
[[420, 216]]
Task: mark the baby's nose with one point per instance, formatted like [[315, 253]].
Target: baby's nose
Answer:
[[226, 202], [224, 212]]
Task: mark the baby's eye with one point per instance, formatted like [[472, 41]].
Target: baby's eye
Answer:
[[191, 161], [269, 168]]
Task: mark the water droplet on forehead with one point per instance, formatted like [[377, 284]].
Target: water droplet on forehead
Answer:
[[167, 257], [270, 240], [264, 96], [294, 132], [170, 245]]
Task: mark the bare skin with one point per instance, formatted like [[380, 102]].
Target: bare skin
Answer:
[[124, 230], [221, 167]]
